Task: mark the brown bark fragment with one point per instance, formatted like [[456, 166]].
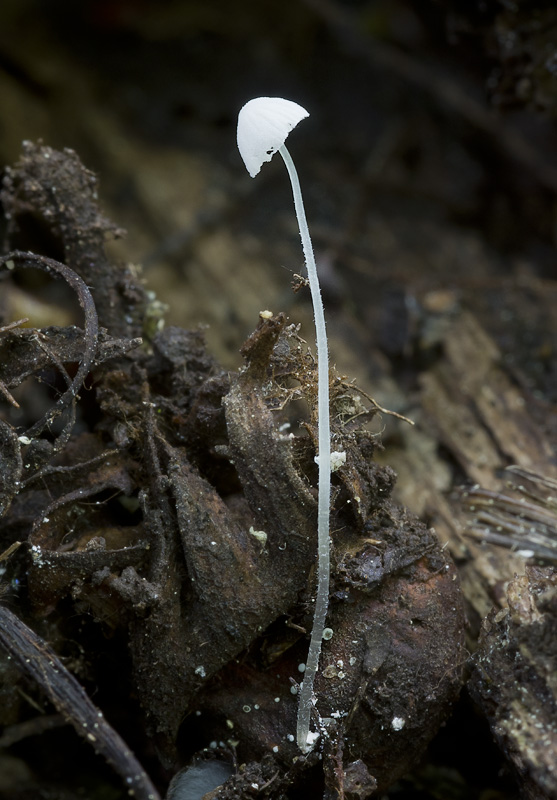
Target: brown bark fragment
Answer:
[[514, 680]]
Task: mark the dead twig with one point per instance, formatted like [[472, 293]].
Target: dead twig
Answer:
[[3, 388], [375, 404], [34, 657], [91, 326]]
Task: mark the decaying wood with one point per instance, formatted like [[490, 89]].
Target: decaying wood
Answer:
[[522, 518], [514, 680], [181, 516], [497, 516], [482, 418]]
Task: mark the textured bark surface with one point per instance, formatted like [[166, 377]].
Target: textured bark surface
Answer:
[[514, 680], [388, 674]]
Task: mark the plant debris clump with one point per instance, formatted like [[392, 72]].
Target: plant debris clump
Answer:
[[171, 505]]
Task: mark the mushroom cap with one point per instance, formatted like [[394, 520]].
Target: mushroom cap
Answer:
[[263, 125]]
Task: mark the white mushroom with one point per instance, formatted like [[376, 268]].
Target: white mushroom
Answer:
[[263, 126]]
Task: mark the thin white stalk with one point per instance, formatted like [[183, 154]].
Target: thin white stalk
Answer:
[[324, 436]]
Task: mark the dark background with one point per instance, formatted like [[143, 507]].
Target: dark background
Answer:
[[429, 160]]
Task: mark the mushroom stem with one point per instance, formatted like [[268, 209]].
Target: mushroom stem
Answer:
[[324, 497]]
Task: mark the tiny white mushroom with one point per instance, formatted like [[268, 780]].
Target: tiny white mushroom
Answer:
[[263, 126]]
